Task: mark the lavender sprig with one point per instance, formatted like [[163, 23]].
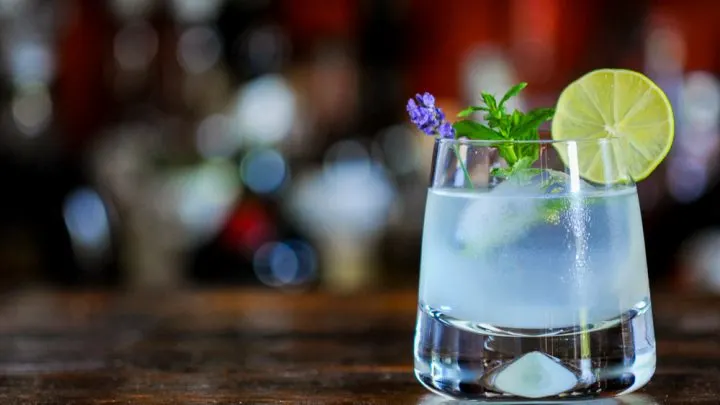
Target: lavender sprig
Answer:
[[428, 117], [431, 120]]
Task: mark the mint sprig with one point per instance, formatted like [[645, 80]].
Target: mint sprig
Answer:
[[502, 125]]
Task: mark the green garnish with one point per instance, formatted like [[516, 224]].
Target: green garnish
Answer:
[[503, 126]]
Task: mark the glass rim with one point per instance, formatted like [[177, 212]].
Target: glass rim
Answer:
[[489, 143]]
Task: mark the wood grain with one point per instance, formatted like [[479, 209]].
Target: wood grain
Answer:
[[266, 347]]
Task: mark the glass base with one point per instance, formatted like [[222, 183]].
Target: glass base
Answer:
[[452, 359]]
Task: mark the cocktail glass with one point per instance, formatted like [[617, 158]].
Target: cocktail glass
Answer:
[[534, 282]]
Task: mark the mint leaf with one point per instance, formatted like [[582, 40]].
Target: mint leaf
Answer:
[[507, 152], [475, 130], [501, 125], [529, 150], [489, 100], [466, 112], [527, 130], [501, 172], [523, 163], [530, 123], [478, 131], [494, 122], [516, 118], [514, 91]]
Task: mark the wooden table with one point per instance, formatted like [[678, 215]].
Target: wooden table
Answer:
[[232, 347]]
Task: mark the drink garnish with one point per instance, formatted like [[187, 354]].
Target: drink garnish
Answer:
[[619, 104], [499, 125], [603, 104]]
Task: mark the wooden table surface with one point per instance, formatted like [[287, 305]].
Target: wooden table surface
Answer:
[[257, 347]]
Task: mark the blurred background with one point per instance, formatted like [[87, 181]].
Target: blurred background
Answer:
[[168, 143]]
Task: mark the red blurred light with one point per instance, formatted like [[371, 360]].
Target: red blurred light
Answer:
[[249, 227]]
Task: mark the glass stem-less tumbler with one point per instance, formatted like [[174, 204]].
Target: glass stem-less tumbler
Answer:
[[533, 277]]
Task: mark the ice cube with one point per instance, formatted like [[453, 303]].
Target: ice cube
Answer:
[[499, 216], [556, 182], [504, 214], [535, 375]]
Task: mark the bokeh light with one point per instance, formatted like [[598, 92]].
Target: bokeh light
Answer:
[[691, 166], [266, 109], [347, 151], [250, 226], [135, 45], [9, 8], [351, 196], [198, 49], [687, 179], [665, 50], [193, 11], [32, 110], [30, 60], [488, 69], [701, 255], [214, 138], [399, 149], [263, 171], [205, 196], [266, 48], [284, 264], [700, 106], [128, 9], [86, 219]]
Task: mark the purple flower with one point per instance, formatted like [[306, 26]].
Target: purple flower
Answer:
[[446, 130], [427, 99], [427, 117]]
